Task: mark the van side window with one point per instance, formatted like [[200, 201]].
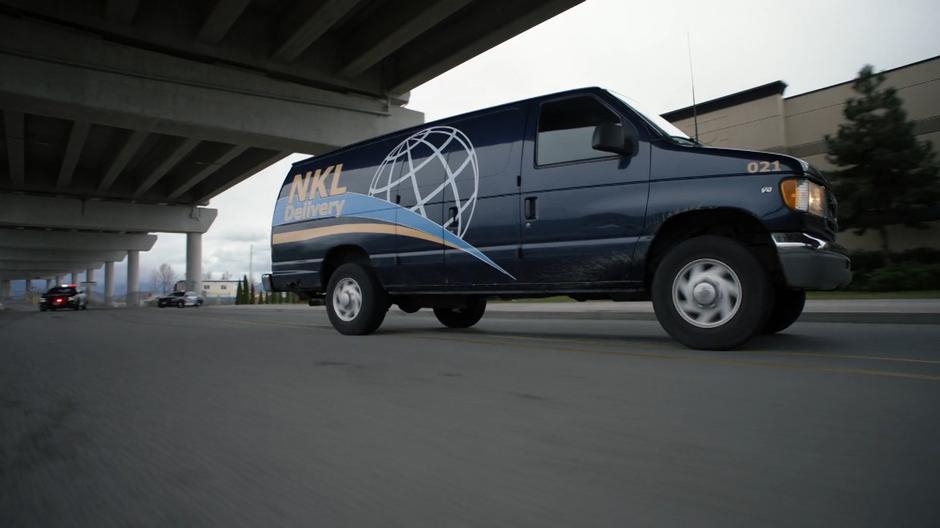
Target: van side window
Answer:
[[566, 130]]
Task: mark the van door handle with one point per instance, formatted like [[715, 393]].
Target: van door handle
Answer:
[[530, 208], [453, 219]]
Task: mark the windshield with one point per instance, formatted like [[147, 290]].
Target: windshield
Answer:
[[58, 290], [655, 120]]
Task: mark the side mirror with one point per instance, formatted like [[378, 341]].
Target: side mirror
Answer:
[[612, 137]]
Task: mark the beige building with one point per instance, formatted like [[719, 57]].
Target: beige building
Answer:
[[762, 118], [221, 291]]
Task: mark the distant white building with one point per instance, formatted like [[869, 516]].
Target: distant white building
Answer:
[[221, 290]]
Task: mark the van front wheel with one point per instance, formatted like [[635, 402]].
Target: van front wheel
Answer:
[[462, 316], [788, 306], [711, 293], [356, 303]]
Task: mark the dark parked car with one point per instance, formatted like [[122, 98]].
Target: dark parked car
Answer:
[[63, 297], [180, 300]]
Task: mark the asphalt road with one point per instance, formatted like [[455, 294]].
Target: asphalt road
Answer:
[[260, 416]]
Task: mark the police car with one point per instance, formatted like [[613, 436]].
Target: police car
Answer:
[[64, 296]]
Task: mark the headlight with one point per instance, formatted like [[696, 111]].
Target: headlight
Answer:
[[804, 195]]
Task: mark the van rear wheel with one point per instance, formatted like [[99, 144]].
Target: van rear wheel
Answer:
[[462, 316], [356, 303], [711, 293]]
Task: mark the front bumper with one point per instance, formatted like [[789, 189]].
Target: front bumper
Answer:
[[52, 305], [810, 263]]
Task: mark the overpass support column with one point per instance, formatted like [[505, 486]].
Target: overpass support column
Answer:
[[74, 277], [89, 284], [49, 283], [4, 289], [108, 283], [58, 280], [29, 289], [133, 278], [194, 262]]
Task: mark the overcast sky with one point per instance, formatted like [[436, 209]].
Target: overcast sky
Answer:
[[636, 48]]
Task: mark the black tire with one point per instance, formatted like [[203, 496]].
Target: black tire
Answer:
[[464, 316], [181, 304], [753, 303], [788, 305], [373, 300], [84, 307], [42, 308]]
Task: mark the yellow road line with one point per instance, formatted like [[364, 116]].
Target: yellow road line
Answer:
[[643, 355], [700, 359], [768, 352], [851, 356]]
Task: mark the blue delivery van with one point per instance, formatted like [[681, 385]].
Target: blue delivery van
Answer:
[[576, 193]]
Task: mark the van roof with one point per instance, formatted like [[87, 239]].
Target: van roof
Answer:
[[586, 89]]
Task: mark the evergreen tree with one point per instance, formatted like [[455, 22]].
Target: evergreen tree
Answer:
[[246, 293], [253, 299], [239, 294], [886, 176]]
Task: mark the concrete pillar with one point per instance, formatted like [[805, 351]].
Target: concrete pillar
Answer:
[[4, 289], [194, 262], [108, 283], [58, 280], [74, 277], [49, 284], [133, 278], [89, 284], [29, 288]]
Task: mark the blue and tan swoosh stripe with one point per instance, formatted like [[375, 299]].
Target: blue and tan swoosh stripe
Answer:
[[387, 219], [301, 235]]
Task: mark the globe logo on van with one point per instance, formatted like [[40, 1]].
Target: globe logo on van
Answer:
[[434, 164]]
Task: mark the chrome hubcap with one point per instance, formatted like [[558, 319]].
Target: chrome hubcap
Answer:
[[706, 293], [347, 299]]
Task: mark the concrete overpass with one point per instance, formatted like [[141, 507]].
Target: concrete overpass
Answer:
[[125, 117]]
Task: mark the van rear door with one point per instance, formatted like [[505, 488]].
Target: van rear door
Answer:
[[481, 205], [582, 209], [417, 185]]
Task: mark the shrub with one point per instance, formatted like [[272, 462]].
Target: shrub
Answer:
[[916, 269], [905, 276]]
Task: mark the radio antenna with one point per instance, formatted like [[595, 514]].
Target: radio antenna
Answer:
[[688, 40]]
